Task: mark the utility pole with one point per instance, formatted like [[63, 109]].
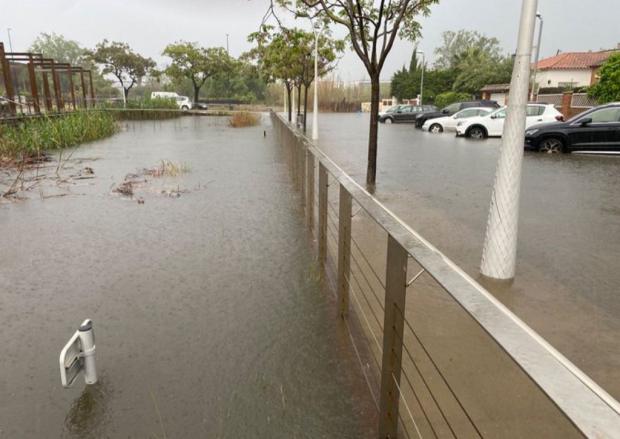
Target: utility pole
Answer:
[[422, 80], [227, 50], [540, 30], [500, 245]]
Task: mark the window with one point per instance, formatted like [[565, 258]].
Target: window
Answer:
[[605, 115], [500, 114], [535, 110], [453, 108], [466, 113], [483, 112]]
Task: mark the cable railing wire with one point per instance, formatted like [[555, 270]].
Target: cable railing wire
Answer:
[[367, 262], [402, 398]]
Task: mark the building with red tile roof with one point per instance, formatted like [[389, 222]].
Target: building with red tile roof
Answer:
[[571, 69]]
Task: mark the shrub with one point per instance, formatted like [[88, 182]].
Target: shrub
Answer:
[[608, 88], [450, 97], [243, 119], [32, 137]]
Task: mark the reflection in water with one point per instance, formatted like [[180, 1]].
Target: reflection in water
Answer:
[[87, 413]]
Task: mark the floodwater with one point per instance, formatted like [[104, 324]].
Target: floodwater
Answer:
[[210, 320], [568, 275]]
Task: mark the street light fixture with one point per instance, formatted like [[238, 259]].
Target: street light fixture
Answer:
[[315, 104]]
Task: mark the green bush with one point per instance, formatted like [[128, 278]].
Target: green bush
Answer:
[[608, 88], [31, 137], [145, 103], [444, 99]]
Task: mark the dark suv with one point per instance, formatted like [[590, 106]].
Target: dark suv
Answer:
[[597, 129], [452, 109]]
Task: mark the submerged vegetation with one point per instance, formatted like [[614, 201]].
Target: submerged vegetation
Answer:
[[243, 119], [31, 138], [145, 109]]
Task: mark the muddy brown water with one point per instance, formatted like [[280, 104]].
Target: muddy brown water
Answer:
[[567, 280], [208, 313]]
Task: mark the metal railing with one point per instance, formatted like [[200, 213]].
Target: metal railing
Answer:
[[441, 356], [583, 100]]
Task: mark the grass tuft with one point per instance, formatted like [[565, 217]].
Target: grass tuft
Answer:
[[244, 119]]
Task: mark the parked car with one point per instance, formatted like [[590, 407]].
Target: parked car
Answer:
[[406, 113], [492, 125], [448, 123], [183, 102], [200, 105], [597, 129], [453, 109], [390, 110]]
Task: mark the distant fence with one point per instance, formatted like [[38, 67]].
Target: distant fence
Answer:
[[441, 356], [569, 103]]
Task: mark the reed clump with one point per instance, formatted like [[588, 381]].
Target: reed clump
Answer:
[[31, 138], [244, 119]]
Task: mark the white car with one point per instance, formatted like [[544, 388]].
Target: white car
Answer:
[[183, 102], [492, 125], [448, 123]]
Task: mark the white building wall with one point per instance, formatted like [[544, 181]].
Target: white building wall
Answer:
[[553, 78]]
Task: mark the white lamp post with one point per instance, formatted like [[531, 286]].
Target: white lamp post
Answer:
[[422, 80], [315, 109], [540, 29], [500, 244]]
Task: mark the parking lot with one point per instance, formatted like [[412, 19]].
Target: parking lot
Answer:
[[567, 281]]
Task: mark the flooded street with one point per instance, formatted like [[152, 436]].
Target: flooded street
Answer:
[[207, 308], [569, 239]]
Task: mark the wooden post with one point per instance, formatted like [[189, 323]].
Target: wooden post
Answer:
[[309, 188], [322, 215], [46, 91], [85, 103], [301, 155], [393, 324], [344, 250], [57, 89], [32, 78], [8, 80], [92, 88], [70, 72]]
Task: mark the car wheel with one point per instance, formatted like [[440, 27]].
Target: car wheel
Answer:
[[477, 133], [551, 145], [436, 128], [184, 108], [388, 120]]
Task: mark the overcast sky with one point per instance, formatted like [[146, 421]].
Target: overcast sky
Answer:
[[570, 25]]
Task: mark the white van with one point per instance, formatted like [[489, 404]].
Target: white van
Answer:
[[183, 102]]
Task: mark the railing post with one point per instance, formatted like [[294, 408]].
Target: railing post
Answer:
[[310, 188], [322, 214], [393, 324], [8, 80], [57, 88], [344, 250], [92, 88], [32, 78]]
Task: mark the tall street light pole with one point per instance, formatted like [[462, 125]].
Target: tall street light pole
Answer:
[[315, 103], [500, 244], [227, 51], [8, 31], [540, 30], [422, 80]]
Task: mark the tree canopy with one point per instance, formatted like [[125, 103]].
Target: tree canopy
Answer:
[[608, 87], [196, 63], [118, 59]]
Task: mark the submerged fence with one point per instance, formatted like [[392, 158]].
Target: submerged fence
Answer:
[[442, 357]]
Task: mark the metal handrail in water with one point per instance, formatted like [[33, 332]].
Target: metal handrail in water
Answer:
[[589, 407]]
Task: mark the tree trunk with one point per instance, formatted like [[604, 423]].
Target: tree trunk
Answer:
[[298, 102], [196, 93], [126, 95], [305, 106], [375, 93], [290, 104]]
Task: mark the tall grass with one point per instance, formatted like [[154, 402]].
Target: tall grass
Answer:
[[244, 119], [32, 137]]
